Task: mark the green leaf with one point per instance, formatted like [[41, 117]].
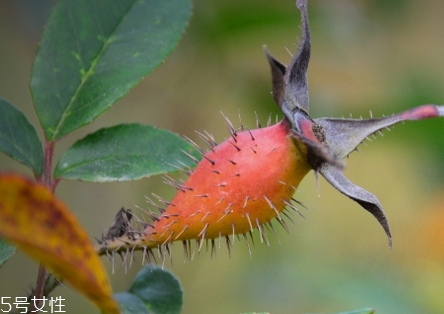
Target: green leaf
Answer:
[[159, 290], [18, 138], [130, 304], [6, 251], [124, 152], [94, 51]]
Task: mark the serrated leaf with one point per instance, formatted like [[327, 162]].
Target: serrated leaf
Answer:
[[41, 226], [94, 51], [6, 251], [130, 304], [159, 290], [124, 152], [18, 138]]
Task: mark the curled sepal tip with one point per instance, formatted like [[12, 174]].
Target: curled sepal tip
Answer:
[[277, 75], [296, 76], [290, 86], [361, 196]]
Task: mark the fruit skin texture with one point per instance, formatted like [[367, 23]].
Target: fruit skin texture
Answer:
[[238, 186]]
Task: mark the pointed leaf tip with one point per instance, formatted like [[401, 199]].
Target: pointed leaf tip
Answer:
[[18, 137], [40, 225], [124, 152]]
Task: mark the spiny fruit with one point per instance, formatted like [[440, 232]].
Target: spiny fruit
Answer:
[[248, 180], [240, 185]]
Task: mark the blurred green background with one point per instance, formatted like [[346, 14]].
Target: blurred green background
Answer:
[[383, 56]]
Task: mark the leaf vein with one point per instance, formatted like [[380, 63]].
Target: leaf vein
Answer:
[[90, 71]]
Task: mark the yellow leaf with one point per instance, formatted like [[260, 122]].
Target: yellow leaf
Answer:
[[42, 226]]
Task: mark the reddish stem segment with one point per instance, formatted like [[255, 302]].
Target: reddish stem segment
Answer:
[[39, 289], [49, 183], [47, 168]]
